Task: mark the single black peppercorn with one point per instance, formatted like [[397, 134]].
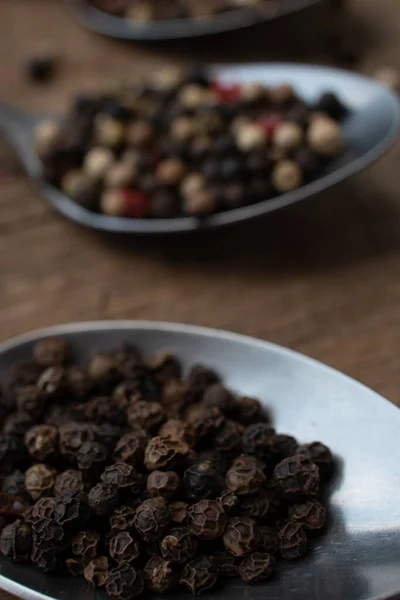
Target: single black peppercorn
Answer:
[[151, 519], [71, 512], [103, 499], [16, 541], [164, 484], [199, 575], [165, 366], [159, 575], [85, 545], [245, 476], [225, 563], [228, 500], [123, 477], [147, 414], [177, 429], [51, 352], [258, 439], [164, 453], [70, 482], [42, 442], [96, 572], [179, 545], [72, 436], [201, 481], [311, 514], [321, 455], [124, 582], [178, 512], [14, 485], [91, 458], [43, 509], [241, 536], [122, 519], [218, 396], [292, 541], [297, 476], [123, 547], [207, 519], [255, 506], [40, 481], [256, 567], [268, 540], [52, 383], [130, 447], [284, 446], [29, 401]]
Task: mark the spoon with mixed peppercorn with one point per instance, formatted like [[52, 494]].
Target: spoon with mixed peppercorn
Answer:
[[195, 149], [137, 469]]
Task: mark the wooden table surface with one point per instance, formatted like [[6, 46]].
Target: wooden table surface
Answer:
[[322, 278]]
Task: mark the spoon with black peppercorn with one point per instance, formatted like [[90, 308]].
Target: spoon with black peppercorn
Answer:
[[357, 558], [368, 129]]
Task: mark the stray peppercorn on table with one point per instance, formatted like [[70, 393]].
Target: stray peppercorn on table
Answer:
[[184, 144], [121, 470]]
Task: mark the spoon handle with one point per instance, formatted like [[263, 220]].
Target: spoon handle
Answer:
[[17, 128]]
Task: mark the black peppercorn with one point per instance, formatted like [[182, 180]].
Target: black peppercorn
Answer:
[[43, 509], [51, 352], [42, 442], [330, 104], [178, 430], [84, 546], [319, 454], [199, 379], [124, 582], [268, 539], [146, 414], [245, 476], [249, 411], [199, 575], [201, 481], [151, 519], [178, 512], [179, 545], [225, 563], [292, 541], [164, 484], [311, 515], [14, 485], [71, 512], [122, 519], [255, 506], [165, 452], [96, 572], [103, 499], [228, 500], [30, 401], [130, 447], [207, 519], [16, 541], [297, 476], [241, 536], [52, 382], [72, 436], [40, 481], [165, 366], [258, 439], [123, 547], [159, 575], [284, 446], [123, 477], [70, 482], [256, 567]]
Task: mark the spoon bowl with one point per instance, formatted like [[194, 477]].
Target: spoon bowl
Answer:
[[179, 29], [359, 557], [369, 130]]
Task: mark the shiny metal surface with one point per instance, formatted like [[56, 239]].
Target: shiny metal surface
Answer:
[[175, 29], [359, 558], [370, 129]]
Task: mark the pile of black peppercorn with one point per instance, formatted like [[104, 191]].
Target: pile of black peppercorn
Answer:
[[182, 144], [143, 11], [126, 472]]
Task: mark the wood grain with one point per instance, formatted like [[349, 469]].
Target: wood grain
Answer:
[[322, 278]]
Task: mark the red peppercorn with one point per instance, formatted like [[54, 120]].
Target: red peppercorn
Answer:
[[226, 94], [270, 123], [136, 204]]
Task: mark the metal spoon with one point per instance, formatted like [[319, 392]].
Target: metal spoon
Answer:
[[175, 29], [359, 556], [369, 130]]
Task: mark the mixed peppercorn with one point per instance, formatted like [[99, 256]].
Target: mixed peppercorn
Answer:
[[185, 144], [142, 11], [126, 472]]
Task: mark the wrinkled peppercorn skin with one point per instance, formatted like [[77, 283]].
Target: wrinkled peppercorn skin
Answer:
[[292, 541], [297, 476], [199, 575], [207, 519]]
